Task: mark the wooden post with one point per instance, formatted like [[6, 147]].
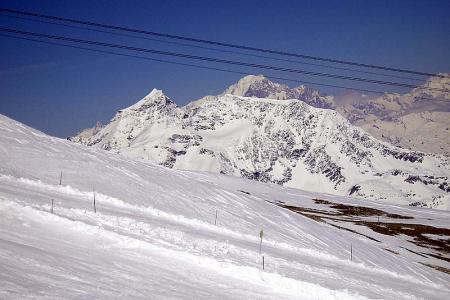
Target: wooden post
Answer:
[[261, 233], [60, 178], [351, 252], [52, 207], [95, 209], [215, 220], [263, 262]]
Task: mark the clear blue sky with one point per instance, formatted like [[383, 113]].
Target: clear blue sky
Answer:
[[60, 90]]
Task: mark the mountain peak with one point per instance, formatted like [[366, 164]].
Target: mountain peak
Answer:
[[259, 86], [157, 96], [154, 97], [244, 85]]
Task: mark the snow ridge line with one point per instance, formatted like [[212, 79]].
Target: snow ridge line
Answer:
[[277, 282]]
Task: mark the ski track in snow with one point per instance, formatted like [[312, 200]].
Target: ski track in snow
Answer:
[[157, 230], [130, 234]]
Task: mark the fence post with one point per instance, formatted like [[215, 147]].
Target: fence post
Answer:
[[52, 207], [263, 262], [60, 178], [261, 233], [95, 209]]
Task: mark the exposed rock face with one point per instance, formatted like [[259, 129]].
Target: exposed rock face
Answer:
[[286, 142]]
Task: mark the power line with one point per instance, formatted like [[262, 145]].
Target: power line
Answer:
[[210, 42], [186, 64], [210, 59], [209, 48], [202, 67]]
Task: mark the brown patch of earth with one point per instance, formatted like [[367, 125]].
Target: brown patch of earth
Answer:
[[351, 213]]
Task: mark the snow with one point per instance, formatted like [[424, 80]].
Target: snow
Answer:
[[260, 87], [425, 131], [154, 95], [417, 120], [405, 120], [153, 235], [241, 88]]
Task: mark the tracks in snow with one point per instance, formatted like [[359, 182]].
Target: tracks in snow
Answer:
[[225, 249]]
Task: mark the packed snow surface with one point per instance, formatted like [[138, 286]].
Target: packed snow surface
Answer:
[[155, 235]]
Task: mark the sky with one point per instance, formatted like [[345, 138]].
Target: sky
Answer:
[[62, 90]]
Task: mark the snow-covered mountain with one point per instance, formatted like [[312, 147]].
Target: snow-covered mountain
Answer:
[[418, 120], [261, 87], [286, 142], [159, 233], [87, 133], [425, 131]]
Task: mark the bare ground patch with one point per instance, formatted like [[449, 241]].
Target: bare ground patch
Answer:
[[418, 233]]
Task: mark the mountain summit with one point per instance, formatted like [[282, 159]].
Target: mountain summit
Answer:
[[154, 98], [287, 142], [261, 87]]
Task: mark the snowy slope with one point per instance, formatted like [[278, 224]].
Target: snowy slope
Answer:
[[153, 235], [272, 140]]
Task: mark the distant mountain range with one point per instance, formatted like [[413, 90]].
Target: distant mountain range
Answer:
[[418, 120], [260, 130]]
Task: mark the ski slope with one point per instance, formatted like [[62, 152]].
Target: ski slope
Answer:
[[153, 235]]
